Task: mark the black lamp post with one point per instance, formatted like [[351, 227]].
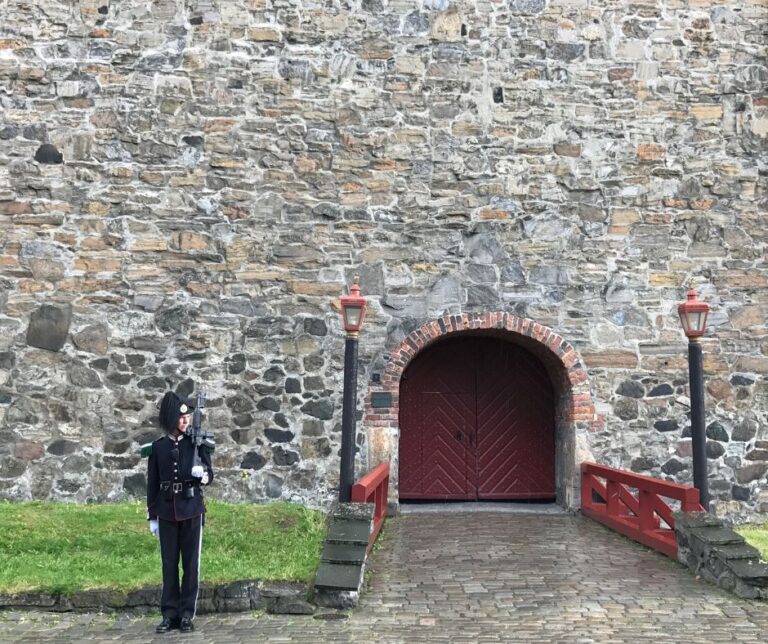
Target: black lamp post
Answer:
[[353, 307], [693, 316]]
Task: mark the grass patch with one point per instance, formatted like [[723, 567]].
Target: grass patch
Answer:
[[59, 547], [756, 535]]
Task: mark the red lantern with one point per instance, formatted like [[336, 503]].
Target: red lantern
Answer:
[[353, 307], [693, 315]]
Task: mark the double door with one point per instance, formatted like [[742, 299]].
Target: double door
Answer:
[[476, 422]]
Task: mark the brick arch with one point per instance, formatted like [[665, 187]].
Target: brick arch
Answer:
[[575, 410]]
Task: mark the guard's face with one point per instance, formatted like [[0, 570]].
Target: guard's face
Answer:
[[183, 423]]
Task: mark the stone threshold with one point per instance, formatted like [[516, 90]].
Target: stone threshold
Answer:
[[284, 598], [510, 507]]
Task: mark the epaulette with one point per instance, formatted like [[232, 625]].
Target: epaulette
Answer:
[[146, 449], [210, 444]]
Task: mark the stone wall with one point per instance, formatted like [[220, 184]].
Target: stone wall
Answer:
[[186, 187]]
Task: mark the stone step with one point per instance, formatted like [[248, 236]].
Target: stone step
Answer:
[[752, 571], [698, 519], [353, 511], [716, 536], [734, 551], [347, 553], [337, 576], [350, 532]]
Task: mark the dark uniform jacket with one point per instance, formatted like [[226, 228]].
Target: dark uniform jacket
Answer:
[[169, 476]]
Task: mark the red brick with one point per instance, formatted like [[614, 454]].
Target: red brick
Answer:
[[577, 376], [597, 425]]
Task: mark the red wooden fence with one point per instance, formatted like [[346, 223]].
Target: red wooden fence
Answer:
[[638, 517], [372, 488]]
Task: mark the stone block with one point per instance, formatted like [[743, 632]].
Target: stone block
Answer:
[[49, 326], [232, 604], [568, 149], [98, 599], [48, 154], [651, 151], [273, 589], [149, 596], [751, 472], [264, 33], [289, 606], [707, 111], [340, 599], [446, 26], [28, 600], [746, 590], [610, 359]]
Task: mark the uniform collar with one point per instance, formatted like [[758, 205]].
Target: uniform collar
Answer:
[[174, 438]]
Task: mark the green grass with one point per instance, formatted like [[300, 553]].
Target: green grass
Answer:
[[58, 547], [756, 535]]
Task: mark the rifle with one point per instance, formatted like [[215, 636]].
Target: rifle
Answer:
[[198, 436]]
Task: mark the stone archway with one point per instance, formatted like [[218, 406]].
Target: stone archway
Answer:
[[575, 409]]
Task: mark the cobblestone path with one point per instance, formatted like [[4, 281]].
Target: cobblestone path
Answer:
[[473, 577]]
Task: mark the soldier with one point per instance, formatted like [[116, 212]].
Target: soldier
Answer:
[[176, 510]]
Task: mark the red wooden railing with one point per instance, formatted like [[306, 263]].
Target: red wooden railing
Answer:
[[372, 488], [638, 517]]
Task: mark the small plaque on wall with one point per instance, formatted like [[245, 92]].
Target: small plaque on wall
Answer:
[[381, 400]]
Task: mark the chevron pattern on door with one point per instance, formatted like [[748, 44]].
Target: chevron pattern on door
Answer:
[[515, 425], [445, 449], [476, 422], [437, 406]]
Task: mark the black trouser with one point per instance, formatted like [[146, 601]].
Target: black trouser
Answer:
[[180, 538]]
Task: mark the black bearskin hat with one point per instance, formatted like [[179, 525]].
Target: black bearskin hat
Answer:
[[172, 407]]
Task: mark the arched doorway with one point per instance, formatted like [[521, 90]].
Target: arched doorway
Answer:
[[477, 422], [575, 414]]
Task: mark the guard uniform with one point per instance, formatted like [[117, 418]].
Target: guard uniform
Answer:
[[175, 498]]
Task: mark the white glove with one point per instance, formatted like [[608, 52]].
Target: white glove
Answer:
[[154, 527], [198, 471]]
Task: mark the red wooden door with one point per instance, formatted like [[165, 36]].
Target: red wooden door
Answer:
[[476, 422], [446, 419], [436, 420], [515, 425]]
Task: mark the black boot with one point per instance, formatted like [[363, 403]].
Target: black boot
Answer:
[[186, 625], [166, 625]]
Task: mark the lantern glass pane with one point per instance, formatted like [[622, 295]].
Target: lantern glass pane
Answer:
[[695, 319], [353, 315], [684, 321]]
